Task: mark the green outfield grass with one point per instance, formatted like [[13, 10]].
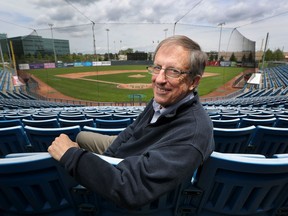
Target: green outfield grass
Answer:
[[104, 92]]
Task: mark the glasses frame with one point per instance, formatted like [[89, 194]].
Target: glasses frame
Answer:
[[151, 69]]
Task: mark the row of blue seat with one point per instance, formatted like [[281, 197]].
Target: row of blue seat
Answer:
[[121, 122], [37, 139], [226, 184], [245, 122], [262, 140], [19, 103], [257, 140]]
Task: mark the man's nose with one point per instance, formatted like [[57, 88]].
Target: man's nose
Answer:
[[161, 77]]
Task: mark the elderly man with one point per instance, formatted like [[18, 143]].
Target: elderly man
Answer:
[[168, 141]]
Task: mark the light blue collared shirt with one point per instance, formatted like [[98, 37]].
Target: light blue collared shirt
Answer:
[[163, 111]]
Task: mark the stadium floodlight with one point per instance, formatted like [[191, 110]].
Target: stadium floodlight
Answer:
[[220, 24], [53, 44]]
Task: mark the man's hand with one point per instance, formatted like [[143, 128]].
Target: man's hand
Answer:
[[60, 145]]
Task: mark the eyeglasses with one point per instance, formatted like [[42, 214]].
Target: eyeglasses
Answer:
[[169, 72]]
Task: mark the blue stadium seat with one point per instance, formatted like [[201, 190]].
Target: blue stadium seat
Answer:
[[106, 131], [245, 122], [99, 116], [232, 140], [10, 117], [281, 122], [12, 140], [81, 123], [227, 123], [215, 116], [226, 116], [41, 138], [44, 117], [261, 116], [230, 184], [10, 123], [132, 117], [47, 123], [269, 141], [120, 123], [72, 116], [35, 184]]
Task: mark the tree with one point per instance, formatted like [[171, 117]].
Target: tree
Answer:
[[269, 55], [233, 58], [250, 57], [278, 55], [244, 59], [213, 56], [39, 56], [124, 52]]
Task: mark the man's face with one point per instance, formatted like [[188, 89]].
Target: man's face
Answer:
[[168, 91]]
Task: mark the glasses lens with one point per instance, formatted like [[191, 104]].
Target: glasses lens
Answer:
[[154, 70], [173, 73]]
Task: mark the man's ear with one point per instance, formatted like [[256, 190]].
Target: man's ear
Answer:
[[195, 82]]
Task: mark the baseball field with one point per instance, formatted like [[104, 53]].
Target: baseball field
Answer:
[[119, 83]]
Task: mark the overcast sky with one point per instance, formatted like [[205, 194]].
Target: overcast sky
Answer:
[[141, 24]]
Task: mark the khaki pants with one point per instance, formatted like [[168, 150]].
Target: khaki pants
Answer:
[[94, 142]]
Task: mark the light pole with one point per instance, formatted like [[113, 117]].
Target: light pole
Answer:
[[94, 43], [2, 58], [51, 27], [220, 24], [108, 43], [120, 46], [165, 30]]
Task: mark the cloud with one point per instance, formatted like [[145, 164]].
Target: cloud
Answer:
[[138, 23]]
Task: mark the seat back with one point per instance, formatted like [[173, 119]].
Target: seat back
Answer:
[[44, 117], [106, 131], [124, 116], [232, 140], [12, 140], [81, 123], [227, 123], [269, 141], [35, 184], [72, 116], [99, 116], [41, 138], [261, 116], [105, 123], [245, 122], [47, 123], [229, 184], [10, 123], [10, 117], [229, 116], [281, 122]]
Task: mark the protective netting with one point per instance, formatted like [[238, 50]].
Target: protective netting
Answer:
[[104, 38]]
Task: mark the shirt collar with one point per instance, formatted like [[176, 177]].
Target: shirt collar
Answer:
[[157, 107]]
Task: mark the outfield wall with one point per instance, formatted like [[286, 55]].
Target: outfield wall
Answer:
[[79, 64]]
